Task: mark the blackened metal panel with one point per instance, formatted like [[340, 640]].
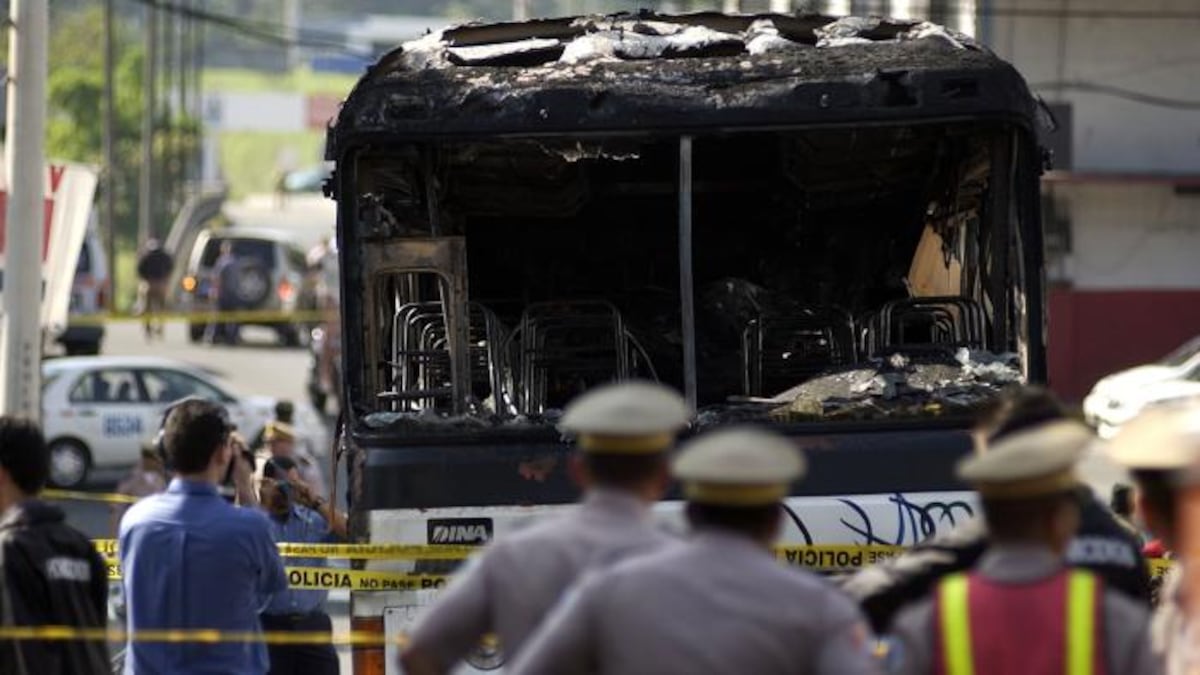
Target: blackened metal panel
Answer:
[[519, 472]]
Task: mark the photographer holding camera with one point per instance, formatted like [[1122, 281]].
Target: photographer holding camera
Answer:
[[191, 560], [298, 515]]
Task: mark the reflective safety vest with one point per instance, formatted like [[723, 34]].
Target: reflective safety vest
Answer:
[[1049, 627]]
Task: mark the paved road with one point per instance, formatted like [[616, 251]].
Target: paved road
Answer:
[[258, 367]]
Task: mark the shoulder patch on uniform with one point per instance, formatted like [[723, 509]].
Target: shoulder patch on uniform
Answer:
[[62, 568], [1101, 551]]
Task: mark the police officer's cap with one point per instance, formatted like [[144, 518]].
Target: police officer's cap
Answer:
[[739, 467], [279, 431], [1037, 462], [1166, 438], [630, 417]]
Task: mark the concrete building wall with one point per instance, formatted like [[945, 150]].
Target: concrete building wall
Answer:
[[1130, 236], [1066, 58], [1128, 289], [1130, 284]]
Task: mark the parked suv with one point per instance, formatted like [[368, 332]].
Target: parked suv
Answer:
[[270, 278], [89, 299]]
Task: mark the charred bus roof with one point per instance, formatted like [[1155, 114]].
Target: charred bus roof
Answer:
[[653, 72]]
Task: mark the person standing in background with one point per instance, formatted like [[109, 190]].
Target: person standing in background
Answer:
[[224, 280], [52, 575], [154, 268], [279, 440], [298, 516]]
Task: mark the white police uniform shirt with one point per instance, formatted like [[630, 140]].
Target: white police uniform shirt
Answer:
[[514, 583], [719, 604]]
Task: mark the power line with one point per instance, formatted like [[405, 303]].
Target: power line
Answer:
[[1118, 92]]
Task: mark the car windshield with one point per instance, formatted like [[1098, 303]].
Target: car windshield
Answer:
[[164, 386], [1183, 354]]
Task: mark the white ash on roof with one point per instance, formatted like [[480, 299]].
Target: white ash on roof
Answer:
[[631, 38]]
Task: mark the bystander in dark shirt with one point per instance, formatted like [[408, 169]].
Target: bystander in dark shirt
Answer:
[[52, 576]]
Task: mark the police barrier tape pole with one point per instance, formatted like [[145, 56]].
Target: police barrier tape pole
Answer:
[[199, 635]]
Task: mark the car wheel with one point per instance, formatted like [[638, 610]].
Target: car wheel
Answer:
[[253, 285], [69, 463]]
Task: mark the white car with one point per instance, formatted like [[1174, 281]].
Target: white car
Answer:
[[97, 411], [1118, 398]]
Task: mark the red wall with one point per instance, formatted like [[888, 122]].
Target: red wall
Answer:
[[1093, 333]]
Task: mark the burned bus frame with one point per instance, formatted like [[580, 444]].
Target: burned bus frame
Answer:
[[883, 86]]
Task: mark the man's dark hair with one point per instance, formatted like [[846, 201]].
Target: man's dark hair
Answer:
[[278, 467], [1019, 409], [194, 430], [1157, 488], [1121, 500], [624, 471], [23, 453], [285, 411], [758, 522], [1020, 519]]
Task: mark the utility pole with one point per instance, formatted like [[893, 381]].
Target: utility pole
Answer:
[[149, 111], [291, 23], [520, 10], [110, 150], [25, 162], [781, 6]]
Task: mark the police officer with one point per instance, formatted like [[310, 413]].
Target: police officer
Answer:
[[1102, 544], [298, 516], [1158, 447], [1021, 610], [279, 440], [624, 432], [719, 603]]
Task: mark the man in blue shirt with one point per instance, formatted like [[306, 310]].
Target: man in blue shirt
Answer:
[[191, 560], [299, 516]]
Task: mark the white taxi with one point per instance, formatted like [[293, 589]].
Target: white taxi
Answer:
[[97, 411]]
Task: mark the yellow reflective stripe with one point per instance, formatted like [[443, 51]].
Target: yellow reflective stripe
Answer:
[[956, 625], [1081, 623]]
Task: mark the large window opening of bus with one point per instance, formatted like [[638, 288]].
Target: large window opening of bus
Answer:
[[838, 274]]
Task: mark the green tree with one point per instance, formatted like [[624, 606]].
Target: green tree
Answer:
[[75, 105]]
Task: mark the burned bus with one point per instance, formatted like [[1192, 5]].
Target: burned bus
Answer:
[[827, 226]]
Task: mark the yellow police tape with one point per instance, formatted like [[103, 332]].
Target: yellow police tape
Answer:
[[250, 316], [820, 557], [108, 547], [72, 495], [334, 578], [200, 635]]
